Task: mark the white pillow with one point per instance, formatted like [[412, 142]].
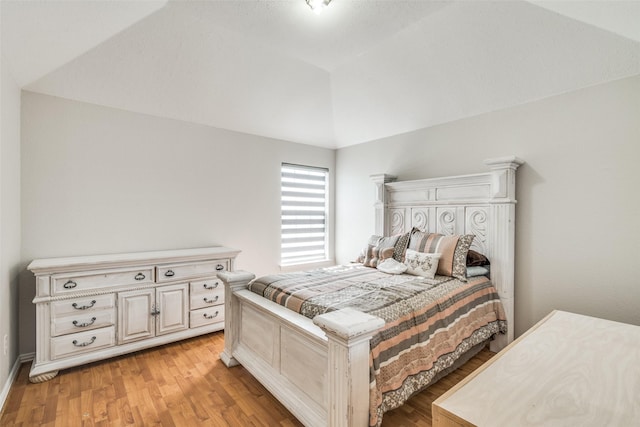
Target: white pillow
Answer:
[[421, 264], [391, 266], [478, 270]]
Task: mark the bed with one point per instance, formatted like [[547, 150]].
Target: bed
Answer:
[[322, 364]]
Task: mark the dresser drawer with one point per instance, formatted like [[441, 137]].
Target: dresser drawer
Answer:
[[172, 272], [78, 322], [205, 286], [82, 305], [207, 299], [82, 342], [80, 282], [206, 316]]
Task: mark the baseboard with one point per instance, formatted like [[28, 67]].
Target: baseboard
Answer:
[[27, 357], [12, 377]]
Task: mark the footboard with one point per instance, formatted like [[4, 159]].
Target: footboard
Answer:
[[318, 369]]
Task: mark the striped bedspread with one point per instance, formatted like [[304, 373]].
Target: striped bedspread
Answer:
[[429, 323]]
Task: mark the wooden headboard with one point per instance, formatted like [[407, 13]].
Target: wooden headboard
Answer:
[[480, 204]]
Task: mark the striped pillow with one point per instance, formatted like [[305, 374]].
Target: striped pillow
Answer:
[[453, 261], [378, 248], [373, 241], [376, 254]]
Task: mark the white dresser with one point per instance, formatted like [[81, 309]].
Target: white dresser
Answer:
[[94, 307]]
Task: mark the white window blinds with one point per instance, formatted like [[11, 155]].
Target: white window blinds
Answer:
[[304, 214]]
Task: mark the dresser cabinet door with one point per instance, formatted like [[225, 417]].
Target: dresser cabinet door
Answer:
[[173, 304], [136, 318]]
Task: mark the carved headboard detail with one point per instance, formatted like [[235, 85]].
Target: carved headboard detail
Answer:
[[480, 204]]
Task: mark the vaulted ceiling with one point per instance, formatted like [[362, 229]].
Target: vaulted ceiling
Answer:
[[360, 71]]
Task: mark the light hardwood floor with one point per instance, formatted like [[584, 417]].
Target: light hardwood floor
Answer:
[[179, 384]]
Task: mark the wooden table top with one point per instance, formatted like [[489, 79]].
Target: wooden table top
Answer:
[[568, 370]]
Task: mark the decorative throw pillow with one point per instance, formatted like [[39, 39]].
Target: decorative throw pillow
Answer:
[[476, 259], [421, 264], [373, 241], [378, 250], [453, 250], [388, 242], [392, 266], [401, 246], [375, 254]]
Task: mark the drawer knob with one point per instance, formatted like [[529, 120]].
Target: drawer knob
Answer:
[[211, 301], [83, 344], [154, 310], [219, 267], [70, 284], [169, 273], [206, 316], [140, 276], [84, 325], [83, 307], [215, 285]]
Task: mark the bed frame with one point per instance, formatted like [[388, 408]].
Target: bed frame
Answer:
[[319, 369]]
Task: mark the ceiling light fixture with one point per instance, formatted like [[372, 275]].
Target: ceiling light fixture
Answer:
[[318, 5]]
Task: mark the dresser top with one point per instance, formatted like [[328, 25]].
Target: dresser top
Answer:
[[68, 264], [568, 370]]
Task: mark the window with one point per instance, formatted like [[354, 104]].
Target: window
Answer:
[[304, 214]]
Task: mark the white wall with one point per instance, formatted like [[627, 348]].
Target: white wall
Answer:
[[578, 216], [9, 219], [101, 180]]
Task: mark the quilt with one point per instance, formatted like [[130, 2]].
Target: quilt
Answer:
[[429, 323]]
